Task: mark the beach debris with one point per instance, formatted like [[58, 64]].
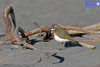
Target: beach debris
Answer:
[[16, 36], [9, 23]]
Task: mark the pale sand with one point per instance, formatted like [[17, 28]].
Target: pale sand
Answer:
[[47, 12]]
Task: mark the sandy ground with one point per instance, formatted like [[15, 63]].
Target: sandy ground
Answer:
[[46, 13]]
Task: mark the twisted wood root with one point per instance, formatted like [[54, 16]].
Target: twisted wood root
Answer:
[[19, 29]]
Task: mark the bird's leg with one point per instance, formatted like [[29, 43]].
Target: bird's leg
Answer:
[[62, 48]]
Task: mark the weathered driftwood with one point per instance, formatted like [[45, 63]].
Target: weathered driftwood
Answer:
[[45, 28], [30, 33], [87, 45], [16, 36], [19, 29], [9, 10], [94, 27], [38, 30], [74, 30], [7, 20]]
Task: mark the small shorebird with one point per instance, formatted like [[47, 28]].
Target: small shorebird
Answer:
[[61, 35]]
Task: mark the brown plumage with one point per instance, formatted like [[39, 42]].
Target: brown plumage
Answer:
[[62, 33]]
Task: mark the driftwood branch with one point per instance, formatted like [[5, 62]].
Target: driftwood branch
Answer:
[[16, 36], [7, 20], [9, 10], [40, 29], [79, 30], [94, 27], [87, 45], [19, 29], [45, 28]]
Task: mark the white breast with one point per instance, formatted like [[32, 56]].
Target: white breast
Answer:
[[60, 39]]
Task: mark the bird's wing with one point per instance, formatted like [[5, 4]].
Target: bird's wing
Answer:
[[62, 33]]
